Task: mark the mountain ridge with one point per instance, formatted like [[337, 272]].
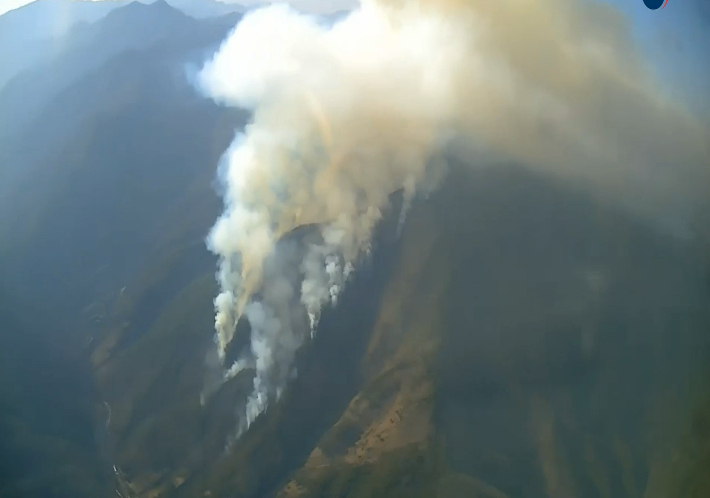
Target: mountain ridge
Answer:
[[517, 338]]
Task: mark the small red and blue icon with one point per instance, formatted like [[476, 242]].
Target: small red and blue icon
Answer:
[[655, 4]]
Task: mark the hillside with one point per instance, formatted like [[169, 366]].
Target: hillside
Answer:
[[519, 338], [484, 354], [36, 33], [129, 139]]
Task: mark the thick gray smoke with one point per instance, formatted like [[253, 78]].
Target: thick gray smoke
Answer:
[[346, 114]]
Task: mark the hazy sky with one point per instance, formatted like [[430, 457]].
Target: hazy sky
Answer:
[[6, 5], [319, 6], [676, 39]]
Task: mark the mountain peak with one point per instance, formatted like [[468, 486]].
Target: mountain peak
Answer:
[[145, 12], [141, 6], [160, 4]]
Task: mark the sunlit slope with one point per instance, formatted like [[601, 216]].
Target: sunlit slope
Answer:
[[517, 340]]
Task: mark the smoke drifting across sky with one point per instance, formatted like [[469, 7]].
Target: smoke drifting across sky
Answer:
[[344, 115]]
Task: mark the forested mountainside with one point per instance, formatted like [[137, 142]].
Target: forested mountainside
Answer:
[[518, 338], [507, 345], [127, 139]]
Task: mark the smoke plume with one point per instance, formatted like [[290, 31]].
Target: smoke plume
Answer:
[[345, 114]]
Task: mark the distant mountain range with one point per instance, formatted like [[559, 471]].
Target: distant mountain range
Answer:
[[124, 71], [105, 131], [37, 31]]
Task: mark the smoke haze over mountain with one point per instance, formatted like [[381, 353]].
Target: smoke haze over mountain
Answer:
[[462, 249], [346, 114]]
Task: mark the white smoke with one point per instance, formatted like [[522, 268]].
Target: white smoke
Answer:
[[344, 115]]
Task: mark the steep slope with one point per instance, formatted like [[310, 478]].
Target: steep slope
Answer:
[[490, 353], [115, 190], [33, 32], [84, 49], [516, 324], [47, 443], [519, 339], [131, 137]]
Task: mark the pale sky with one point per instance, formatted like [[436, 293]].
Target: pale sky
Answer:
[[317, 6], [675, 39], [6, 5]]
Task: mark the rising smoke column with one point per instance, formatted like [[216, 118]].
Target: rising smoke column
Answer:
[[344, 115], [325, 146]]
